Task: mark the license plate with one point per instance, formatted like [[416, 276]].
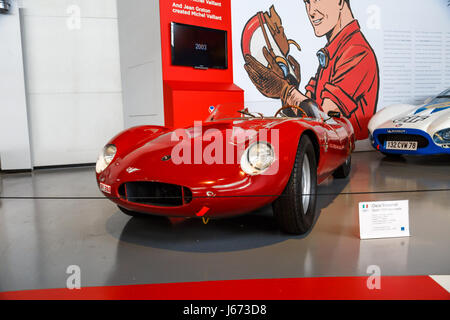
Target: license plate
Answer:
[[105, 188], [402, 145]]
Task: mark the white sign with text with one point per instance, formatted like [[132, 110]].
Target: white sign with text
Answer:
[[384, 219]]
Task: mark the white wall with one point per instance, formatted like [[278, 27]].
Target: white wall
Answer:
[[14, 139], [72, 69], [141, 62]]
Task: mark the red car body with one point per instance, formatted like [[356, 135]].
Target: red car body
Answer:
[[224, 189]]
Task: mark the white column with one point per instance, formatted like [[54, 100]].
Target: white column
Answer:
[[14, 135]]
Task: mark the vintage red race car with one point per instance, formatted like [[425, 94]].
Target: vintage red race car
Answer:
[[233, 163]]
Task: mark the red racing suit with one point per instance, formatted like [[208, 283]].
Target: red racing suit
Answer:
[[350, 78]]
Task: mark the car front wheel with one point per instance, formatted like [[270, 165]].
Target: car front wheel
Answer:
[[295, 209]]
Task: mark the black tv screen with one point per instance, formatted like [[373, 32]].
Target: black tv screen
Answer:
[[194, 46]]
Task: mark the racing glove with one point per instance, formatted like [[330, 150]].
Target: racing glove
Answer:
[[269, 81], [275, 25]]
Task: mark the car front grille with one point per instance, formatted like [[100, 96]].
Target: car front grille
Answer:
[[155, 193], [421, 141]]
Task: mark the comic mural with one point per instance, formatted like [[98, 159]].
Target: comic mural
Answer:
[[347, 78], [352, 56]]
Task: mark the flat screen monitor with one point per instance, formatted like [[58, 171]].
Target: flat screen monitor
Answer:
[[198, 47]]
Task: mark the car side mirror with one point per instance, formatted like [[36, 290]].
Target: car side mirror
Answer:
[[334, 114]]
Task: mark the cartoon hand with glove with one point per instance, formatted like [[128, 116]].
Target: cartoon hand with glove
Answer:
[[283, 71], [271, 81]]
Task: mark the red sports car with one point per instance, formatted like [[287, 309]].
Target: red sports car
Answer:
[[233, 163]]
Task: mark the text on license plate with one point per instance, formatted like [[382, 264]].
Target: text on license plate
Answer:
[[401, 145], [105, 188]]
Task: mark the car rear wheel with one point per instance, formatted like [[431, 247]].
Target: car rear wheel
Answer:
[[295, 209], [344, 170]]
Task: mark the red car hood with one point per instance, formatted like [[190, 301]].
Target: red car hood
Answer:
[[153, 160]]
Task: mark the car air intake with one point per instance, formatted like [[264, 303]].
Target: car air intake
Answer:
[[422, 142], [155, 193]]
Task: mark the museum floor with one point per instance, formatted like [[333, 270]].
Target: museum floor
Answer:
[[63, 220]]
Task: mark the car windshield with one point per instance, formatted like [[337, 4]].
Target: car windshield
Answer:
[[229, 111], [253, 110], [442, 97]]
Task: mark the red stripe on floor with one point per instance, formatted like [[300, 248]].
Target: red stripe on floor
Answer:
[[340, 288]]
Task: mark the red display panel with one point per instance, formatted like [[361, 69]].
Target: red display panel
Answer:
[[187, 102], [200, 14], [189, 92]]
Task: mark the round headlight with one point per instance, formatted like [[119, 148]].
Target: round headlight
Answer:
[[257, 158], [446, 135], [442, 136], [109, 153], [105, 158]]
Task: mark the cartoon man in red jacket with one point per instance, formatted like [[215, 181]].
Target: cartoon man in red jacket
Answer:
[[347, 79]]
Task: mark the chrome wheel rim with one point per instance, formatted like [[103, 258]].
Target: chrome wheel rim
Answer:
[[306, 184]]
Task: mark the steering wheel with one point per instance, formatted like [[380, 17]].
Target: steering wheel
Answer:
[[302, 112]]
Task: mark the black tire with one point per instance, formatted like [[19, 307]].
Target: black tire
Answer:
[[344, 170], [289, 209], [133, 214]]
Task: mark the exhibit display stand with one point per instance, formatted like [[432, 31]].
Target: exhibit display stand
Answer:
[[159, 88], [186, 102]]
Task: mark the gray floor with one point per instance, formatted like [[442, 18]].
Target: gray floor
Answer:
[[39, 239]]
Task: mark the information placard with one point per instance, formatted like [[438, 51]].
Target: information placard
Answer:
[[384, 219]]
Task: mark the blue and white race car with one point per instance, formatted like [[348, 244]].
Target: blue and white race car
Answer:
[[408, 129]]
